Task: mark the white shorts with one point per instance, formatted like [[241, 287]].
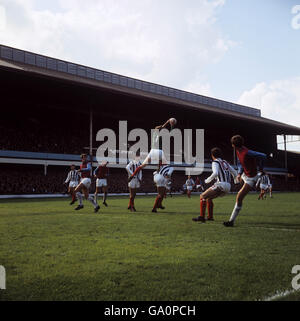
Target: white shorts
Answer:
[[73, 184], [160, 180], [86, 182], [270, 186], [190, 188], [134, 183], [223, 186], [100, 182], [249, 180], [155, 156], [263, 186]]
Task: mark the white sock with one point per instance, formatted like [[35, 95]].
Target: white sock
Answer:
[[235, 212], [79, 196], [91, 199], [95, 197]]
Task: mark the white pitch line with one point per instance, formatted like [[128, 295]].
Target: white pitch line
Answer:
[[276, 229], [278, 295]]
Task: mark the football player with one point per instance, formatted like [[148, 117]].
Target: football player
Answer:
[[189, 186], [161, 178], [248, 161], [263, 182], [85, 183], [101, 173], [73, 180], [156, 154], [222, 172], [135, 183]]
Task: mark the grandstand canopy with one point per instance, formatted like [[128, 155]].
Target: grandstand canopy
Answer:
[[66, 84]]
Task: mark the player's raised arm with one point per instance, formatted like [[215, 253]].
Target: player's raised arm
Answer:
[[96, 171], [261, 158]]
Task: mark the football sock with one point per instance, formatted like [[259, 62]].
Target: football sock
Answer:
[[202, 207], [104, 196], [235, 212], [95, 197], [73, 197], [157, 200], [92, 200], [131, 202], [210, 208], [79, 196]]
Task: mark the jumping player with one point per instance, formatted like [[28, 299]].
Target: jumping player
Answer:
[[135, 183], [263, 182], [247, 173], [73, 180], [189, 186], [161, 178], [156, 154], [85, 183], [222, 172], [101, 173]]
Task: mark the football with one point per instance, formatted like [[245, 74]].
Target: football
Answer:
[[173, 121]]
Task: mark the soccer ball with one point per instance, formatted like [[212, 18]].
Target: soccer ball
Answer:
[[173, 121]]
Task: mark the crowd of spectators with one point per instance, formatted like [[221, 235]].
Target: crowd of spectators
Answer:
[[31, 179]]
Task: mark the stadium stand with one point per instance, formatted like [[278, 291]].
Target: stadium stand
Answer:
[[49, 105]]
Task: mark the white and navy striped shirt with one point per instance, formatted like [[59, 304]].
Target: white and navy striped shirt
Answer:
[[190, 182], [73, 176], [263, 180], [222, 171], [132, 166], [166, 170]]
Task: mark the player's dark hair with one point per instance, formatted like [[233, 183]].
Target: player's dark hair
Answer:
[[237, 141], [82, 155], [216, 152]]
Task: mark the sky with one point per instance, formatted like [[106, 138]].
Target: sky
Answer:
[[243, 51]]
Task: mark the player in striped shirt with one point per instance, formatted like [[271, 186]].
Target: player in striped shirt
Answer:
[[189, 186], [248, 161], [222, 173], [73, 180], [156, 154], [101, 173], [263, 182], [135, 183], [161, 179], [85, 183]]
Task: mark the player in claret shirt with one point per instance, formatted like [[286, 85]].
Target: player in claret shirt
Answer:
[[85, 183], [101, 173], [248, 161]]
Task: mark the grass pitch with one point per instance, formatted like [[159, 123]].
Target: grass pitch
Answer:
[[51, 252]]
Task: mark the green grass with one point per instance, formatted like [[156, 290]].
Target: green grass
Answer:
[[52, 252]]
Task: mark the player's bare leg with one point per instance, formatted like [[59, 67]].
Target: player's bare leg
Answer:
[[71, 192], [238, 205], [104, 190], [132, 192]]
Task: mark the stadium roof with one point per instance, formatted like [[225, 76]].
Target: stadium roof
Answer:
[[35, 64]]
